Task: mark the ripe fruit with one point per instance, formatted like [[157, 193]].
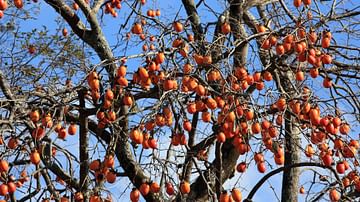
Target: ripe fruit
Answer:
[[346, 182], [185, 187], [187, 68], [95, 198], [109, 95], [266, 44], [344, 128], [38, 133], [281, 104], [327, 160], [11, 187], [279, 119], [327, 83], [261, 167], [338, 143], [169, 188], [152, 143], [260, 28], [64, 32], [144, 189], [280, 49], [3, 5], [243, 148], [309, 150], [312, 36], [258, 157], [4, 189], [241, 167], [127, 100], [136, 136], [330, 128], [273, 132], [4, 166], [160, 57], [236, 195], [72, 129], [273, 40], [300, 76], [267, 76], [150, 13], [198, 58], [154, 187], [137, 28], [295, 106], [13, 143], [62, 133], [340, 167], [178, 27], [169, 84], [19, 4], [46, 121], [334, 195], [79, 196], [302, 190], [225, 28], [326, 59], [211, 103], [297, 3], [306, 2], [75, 6], [111, 116], [95, 165], [289, 38], [121, 71], [109, 161], [111, 177], [249, 115], [35, 157], [143, 73], [190, 37], [134, 195], [256, 128], [299, 48], [314, 115], [34, 116], [325, 42], [187, 125], [221, 137], [206, 116], [224, 197], [336, 121], [231, 116]]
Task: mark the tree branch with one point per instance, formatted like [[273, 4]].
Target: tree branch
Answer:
[[83, 144], [284, 168]]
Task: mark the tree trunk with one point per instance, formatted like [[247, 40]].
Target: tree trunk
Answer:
[[290, 181]]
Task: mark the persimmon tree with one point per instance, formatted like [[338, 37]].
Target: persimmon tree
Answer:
[[179, 101]]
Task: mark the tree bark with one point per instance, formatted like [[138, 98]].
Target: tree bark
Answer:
[[83, 145], [206, 180], [290, 183]]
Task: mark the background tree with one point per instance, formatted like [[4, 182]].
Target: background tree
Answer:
[[179, 106]]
